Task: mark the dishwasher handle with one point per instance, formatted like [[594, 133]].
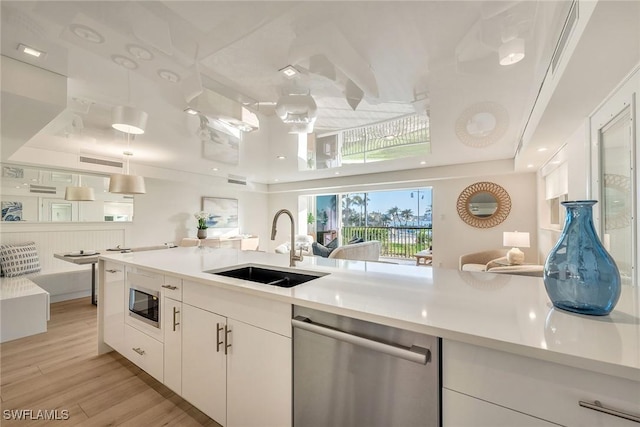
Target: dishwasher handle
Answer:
[[413, 354]]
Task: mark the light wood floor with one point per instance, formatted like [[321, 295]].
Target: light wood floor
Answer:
[[61, 370]]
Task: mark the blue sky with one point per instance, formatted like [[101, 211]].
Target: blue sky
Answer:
[[381, 201]]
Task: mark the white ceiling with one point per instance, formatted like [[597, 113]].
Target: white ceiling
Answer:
[[434, 57]]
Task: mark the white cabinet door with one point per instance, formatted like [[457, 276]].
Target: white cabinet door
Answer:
[[204, 379], [172, 344], [258, 377], [460, 410], [114, 306]]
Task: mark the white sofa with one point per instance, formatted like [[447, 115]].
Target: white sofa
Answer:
[[301, 241], [495, 261], [364, 251]]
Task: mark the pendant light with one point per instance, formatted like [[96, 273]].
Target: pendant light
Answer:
[[128, 119], [125, 183], [79, 193]]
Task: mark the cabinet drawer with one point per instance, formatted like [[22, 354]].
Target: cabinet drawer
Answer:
[[460, 410], [113, 272], [172, 288], [267, 314], [539, 388], [144, 351]]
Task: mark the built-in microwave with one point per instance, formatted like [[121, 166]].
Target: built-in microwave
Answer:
[[144, 305]]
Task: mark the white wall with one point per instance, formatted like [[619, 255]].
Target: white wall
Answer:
[[452, 237], [166, 212]]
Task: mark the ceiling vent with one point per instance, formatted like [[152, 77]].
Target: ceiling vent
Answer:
[[569, 25], [41, 189], [221, 108], [236, 179], [103, 162]]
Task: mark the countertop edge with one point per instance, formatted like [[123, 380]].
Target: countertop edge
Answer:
[[572, 360]]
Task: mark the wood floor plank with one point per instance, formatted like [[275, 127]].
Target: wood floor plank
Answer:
[[61, 370]]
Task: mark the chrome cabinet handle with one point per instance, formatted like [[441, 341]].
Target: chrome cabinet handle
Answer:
[[218, 342], [597, 406], [139, 351], [112, 271], [172, 288], [175, 313], [227, 332], [413, 354]]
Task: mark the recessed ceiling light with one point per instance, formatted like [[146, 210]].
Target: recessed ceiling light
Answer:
[[17, 186], [289, 71], [214, 169], [191, 111], [139, 52], [86, 33], [125, 62], [169, 76], [280, 157], [25, 183], [423, 162], [276, 180], [541, 149], [31, 51], [337, 173], [529, 166]]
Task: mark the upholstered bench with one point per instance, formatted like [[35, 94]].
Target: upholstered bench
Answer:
[[24, 308]]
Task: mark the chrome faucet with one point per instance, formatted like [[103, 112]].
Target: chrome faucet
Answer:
[[292, 253]]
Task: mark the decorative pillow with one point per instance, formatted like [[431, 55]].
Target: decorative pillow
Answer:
[[20, 259], [332, 244], [355, 240], [320, 250]]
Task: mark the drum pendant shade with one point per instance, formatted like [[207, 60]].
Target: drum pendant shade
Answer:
[[79, 194], [126, 184], [129, 120]]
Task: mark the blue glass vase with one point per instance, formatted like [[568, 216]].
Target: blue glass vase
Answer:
[[579, 274]]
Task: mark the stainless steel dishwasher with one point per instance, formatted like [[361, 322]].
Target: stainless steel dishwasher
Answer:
[[347, 372]]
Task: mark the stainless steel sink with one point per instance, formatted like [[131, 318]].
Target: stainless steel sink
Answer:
[[268, 276]]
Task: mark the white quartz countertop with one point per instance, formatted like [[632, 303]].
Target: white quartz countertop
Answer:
[[505, 312]]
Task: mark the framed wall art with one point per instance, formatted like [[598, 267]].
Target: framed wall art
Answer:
[[223, 213], [12, 211]]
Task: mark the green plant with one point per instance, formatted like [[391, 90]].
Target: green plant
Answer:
[[310, 218], [202, 217]]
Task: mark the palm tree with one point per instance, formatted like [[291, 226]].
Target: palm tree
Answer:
[[386, 219], [393, 213], [406, 215], [358, 201]]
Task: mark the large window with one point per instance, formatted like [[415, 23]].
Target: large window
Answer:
[[401, 219]]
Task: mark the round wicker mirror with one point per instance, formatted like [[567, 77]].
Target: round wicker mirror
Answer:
[[483, 204]]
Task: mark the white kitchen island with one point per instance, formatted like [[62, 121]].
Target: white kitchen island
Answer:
[[508, 357]]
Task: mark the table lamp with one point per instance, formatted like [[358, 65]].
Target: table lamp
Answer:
[[515, 240]]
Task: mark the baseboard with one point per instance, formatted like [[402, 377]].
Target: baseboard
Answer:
[[72, 295]]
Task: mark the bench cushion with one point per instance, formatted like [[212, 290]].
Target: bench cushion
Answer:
[[19, 259]]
